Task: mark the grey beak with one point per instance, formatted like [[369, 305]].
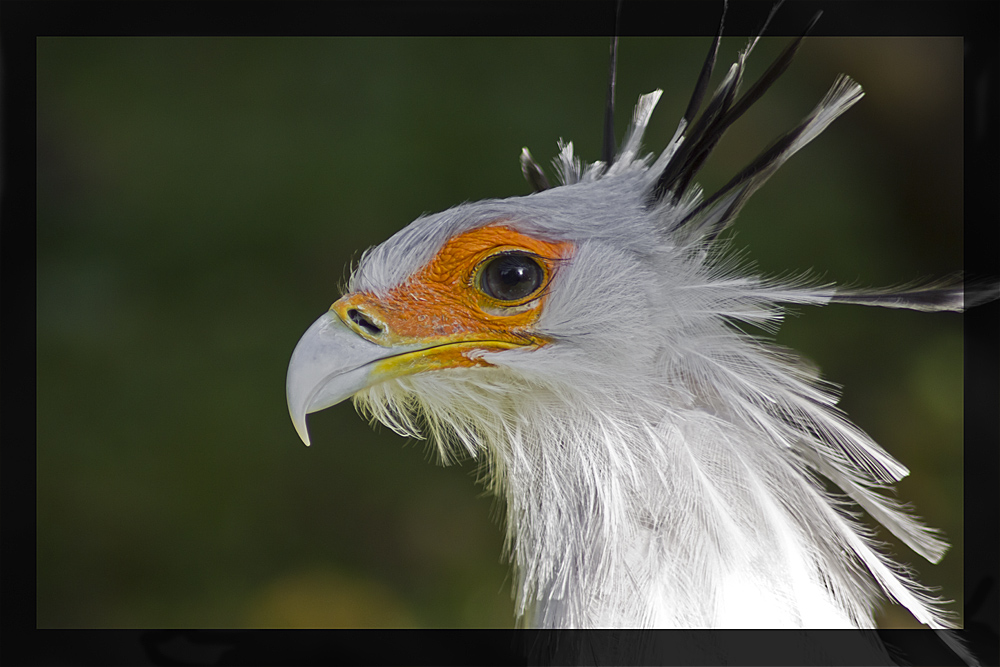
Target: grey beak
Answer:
[[330, 363]]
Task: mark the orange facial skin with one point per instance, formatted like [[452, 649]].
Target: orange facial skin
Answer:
[[442, 306]]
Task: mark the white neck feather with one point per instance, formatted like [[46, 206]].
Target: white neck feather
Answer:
[[656, 520], [624, 513]]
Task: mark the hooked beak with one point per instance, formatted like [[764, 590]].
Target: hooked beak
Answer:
[[330, 363], [334, 360]]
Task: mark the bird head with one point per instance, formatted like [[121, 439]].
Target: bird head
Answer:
[[595, 284], [549, 288], [589, 288]]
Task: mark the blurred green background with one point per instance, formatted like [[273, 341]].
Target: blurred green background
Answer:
[[199, 200]]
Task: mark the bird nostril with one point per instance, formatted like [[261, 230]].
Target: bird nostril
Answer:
[[358, 318]]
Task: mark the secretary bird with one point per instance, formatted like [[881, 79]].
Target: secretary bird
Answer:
[[660, 466]]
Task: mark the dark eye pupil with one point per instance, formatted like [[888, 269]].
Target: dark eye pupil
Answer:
[[511, 277]]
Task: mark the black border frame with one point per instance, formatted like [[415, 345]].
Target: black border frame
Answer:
[[21, 21]]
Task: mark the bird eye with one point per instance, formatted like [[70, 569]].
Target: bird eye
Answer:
[[511, 277]]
